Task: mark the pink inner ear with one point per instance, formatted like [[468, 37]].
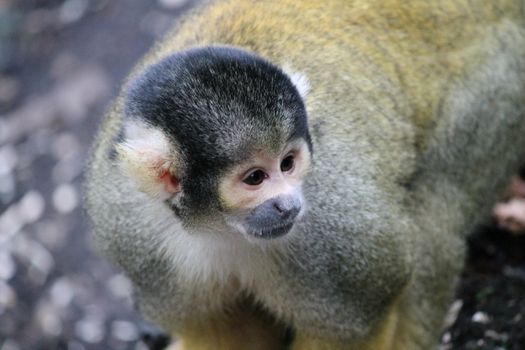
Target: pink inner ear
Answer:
[[170, 182]]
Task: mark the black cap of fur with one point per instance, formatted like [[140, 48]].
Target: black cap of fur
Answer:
[[218, 104]]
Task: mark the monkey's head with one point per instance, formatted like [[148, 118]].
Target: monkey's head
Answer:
[[220, 135]]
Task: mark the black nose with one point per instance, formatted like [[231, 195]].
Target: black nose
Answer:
[[286, 209], [273, 218], [275, 212]]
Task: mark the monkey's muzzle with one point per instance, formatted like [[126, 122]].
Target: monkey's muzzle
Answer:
[[274, 217]]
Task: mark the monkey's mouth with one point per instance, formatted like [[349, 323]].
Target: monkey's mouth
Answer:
[[272, 232]]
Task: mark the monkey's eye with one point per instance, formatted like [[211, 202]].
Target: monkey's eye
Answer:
[[255, 178], [287, 163]]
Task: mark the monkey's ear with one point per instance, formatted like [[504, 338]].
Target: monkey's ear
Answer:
[[148, 158], [299, 80]]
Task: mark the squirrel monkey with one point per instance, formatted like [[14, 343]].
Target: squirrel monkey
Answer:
[[302, 174]]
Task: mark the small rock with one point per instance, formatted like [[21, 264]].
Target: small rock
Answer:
[[514, 272], [62, 292], [7, 188], [444, 347], [31, 207], [41, 258], [90, 330], [452, 314], [72, 10], [65, 198], [10, 224], [120, 286], [446, 338], [124, 331], [37, 255], [480, 317], [7, 265], [172, 4], [8, 159], [7, 296], [492, 334], [48, 319]]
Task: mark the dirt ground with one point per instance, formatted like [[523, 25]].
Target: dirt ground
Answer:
[[61, 61]]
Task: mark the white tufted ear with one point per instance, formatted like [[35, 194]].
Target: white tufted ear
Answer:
[[299, 79], [148, 158]]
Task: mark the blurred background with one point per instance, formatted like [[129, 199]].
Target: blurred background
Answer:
[[61, 62]]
